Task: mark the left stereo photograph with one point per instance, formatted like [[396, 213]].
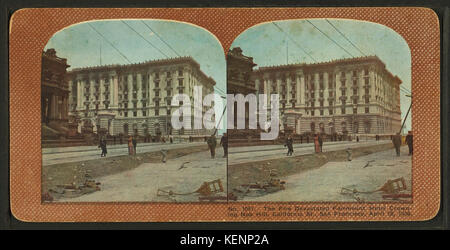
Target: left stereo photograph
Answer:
[[132, 111]]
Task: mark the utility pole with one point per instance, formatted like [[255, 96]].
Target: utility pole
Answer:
[[407, 113], [100, 53], [287, 52]]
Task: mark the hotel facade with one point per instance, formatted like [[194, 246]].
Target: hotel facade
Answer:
[[347, 96], [135, 99]]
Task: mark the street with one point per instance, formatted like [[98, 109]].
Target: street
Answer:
[[52, 156], [268, 152], [365, 174], [181, 175]]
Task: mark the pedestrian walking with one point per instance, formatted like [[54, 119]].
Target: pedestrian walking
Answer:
[[103, 147], [212, 145], [130, 146], [409, 142], [397, 141], [357, 138], [134, 142], [171, 139], [224, 144], [320, 140], [288, 144]]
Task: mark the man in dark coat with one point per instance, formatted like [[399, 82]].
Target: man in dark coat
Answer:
[[320, 141], [134, 141], [289, 142], [103, 147], [224, 144], [397, 141], [409, 141], [212, 145]]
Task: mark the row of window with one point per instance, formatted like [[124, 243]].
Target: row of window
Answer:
[[343, 111]]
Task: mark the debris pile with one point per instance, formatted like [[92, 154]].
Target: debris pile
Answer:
[[272, 185], [72, 189], [208, 191], [392, 189]]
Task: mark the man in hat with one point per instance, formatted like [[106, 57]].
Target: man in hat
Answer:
[[289, 142], [211, 141], [409, 141], [397, 141], [224, 144]]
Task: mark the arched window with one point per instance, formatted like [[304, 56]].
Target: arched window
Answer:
[[313, 127], [355, 127], [367, 127], [322, 128], [332, 128], [135, 129], [344, 127], [125, 129]]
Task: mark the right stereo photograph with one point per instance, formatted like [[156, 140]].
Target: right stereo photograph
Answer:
[[321, 113]]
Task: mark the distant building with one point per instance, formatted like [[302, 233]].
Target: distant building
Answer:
[[135, 99], [54, 92], [349, 96]]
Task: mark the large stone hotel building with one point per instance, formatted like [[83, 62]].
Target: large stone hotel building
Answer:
[[348, 96], [135, 98]]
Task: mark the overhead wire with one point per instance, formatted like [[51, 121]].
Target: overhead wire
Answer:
[[151, 44], [110, 43], [331, 39], [295, 42], [160, 38], [348, 40]]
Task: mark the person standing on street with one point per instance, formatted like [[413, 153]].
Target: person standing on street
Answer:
[[320, 139], [316, 144], [397, 141], [289, 142], [409, 141], [212, 145], [130, 146], [134, 142], [224, 144], [103, 147]]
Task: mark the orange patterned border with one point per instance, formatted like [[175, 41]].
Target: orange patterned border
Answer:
[[30, 29]]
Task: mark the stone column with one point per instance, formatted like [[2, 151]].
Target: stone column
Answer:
[[130, 91], [115, 90], [361, 88], [91, 94], [78, 94], [54, 105], [325, 93], [102, 90], [139, 92], [301, 89], [111, 91], [338, 92], [288, 90]]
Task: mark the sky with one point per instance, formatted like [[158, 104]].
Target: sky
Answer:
[[81, 45], [268, 45]]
